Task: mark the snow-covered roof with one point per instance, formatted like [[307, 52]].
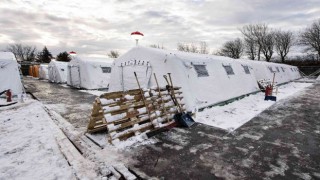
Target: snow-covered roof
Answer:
[[7, 56], [95, 59]]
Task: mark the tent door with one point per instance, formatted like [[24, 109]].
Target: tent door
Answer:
[[128, 79], [75, 76]]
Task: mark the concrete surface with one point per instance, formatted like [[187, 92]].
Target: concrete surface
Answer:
[[73, 105], [283, 142]]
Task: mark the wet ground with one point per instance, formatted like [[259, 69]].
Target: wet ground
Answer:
[[283, 142], [71, 104]]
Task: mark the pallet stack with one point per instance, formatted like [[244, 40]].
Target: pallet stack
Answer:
[[126, 114]]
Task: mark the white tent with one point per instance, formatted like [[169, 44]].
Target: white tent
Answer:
[[89, 73], [318, 79], [283, 73], [9, 74], [57, 71], [43, 71], [205, 79]]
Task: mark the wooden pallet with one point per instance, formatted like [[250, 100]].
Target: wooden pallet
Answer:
[[125, 114]]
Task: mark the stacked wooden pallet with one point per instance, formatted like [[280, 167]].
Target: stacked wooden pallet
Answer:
[[125, 114]]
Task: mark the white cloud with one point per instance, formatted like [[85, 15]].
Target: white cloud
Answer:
[[98, 26]]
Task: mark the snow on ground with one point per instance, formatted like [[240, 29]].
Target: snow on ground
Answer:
[[94, 92], [64, 85], [28, 147], [235, 114]]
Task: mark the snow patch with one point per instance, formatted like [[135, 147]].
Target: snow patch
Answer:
[[235, 114], [28, 147]]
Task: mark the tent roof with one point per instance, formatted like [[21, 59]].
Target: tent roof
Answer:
[[184, 56], [94, 59], [61, 63], [7, 56]]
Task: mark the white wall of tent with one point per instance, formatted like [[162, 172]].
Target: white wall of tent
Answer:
[[89, 73], [9, 74], [205, 79]]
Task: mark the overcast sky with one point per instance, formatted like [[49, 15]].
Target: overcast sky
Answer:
[[98, 26]]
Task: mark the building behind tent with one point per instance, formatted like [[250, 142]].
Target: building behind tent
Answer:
[[89, 73], [10, 74], [57, 71]]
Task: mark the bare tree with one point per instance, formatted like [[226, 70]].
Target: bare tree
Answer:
[[183, 47], [113, 54], [23, 52], [193, 48], [267, 45], [310, 37], [203, 48], [250, 48], [284, 40], [233, 49], [255, 34], [157, 46]]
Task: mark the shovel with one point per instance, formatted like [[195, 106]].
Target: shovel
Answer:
[[181, 117]]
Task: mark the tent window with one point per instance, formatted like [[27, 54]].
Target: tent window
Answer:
[[278, 69], [201, 70], [291, 69], [270, 68], [62, 69], [229, 69], [246, 69], [106, 69], [282, 69]]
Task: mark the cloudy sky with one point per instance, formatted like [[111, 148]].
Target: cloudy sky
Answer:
[[97, 26]]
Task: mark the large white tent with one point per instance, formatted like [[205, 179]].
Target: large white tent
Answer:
[[89, 73], [57, 71], [266, 70], [205, 79], [44, 71], [9, 74]]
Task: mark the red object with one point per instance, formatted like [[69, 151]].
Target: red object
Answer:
[[9, 95], [268, 91], [72, 52], [137, 33]]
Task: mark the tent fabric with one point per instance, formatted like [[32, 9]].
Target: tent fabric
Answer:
[[9, 74], [318, 79], [43, 71], [283, 73], [89, 73], [57, 71], [204, 78]]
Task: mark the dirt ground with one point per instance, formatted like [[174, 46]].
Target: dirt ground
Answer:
[[283, 142]]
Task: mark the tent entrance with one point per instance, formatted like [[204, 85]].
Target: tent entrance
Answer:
[[127, 76], [75, 76]]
